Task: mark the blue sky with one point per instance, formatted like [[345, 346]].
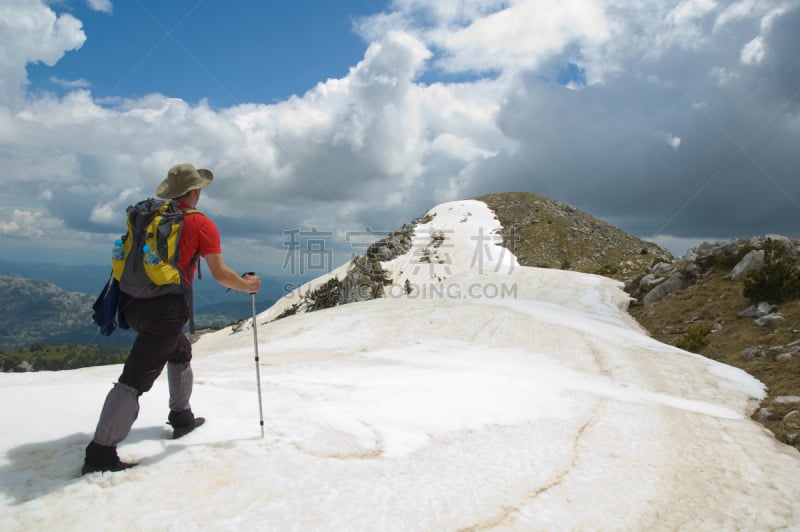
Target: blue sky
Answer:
[[676, 121], [227, 53]]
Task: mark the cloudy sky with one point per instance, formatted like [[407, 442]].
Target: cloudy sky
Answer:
[[677, 121]]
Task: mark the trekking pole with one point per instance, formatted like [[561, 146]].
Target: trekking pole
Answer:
[[255, 347]]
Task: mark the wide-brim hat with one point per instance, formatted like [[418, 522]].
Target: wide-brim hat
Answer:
[[182, 178]]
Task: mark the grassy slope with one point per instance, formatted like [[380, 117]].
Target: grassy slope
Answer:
[[717, 300]]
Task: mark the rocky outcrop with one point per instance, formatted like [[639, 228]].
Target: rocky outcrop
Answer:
[[740, 256], [367, 278]]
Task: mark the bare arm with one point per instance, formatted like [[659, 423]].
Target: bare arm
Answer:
[[229, 278]]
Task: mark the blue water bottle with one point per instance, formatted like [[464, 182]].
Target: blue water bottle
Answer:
[[118, 252], [150, 255]]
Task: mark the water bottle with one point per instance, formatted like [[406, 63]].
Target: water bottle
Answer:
[[118, 252], [150, 255]]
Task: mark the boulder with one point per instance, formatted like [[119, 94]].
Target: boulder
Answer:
[[673, 284], [750, 262], [753, 353], [757, 311], [770, 319], [792, 420]]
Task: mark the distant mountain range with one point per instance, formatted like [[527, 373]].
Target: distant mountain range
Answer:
[[51, 303], [36, 311]]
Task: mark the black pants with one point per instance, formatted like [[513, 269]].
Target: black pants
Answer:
[[159, 323]]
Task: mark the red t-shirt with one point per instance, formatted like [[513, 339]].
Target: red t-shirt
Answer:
[[199, 235]]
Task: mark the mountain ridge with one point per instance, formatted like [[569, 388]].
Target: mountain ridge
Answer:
[[545, 233], [696, 307], [542, 232]]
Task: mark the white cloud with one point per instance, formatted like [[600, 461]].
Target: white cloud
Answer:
[[21, 223], [753, 52], [449, 145], [752, 9], [109, 212], [724, 76], [31, 32], [673, 141], [70, 83], [450, 13], [103, 6], [739, 10], [523, 35]]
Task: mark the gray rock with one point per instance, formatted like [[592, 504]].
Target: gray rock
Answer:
[[786, 399], [753, 353], [649, 281], [674, 283], [787, 243], [792, 420], [757, 311], [752, 261], [763, 414], [661, 269], [770, 319]]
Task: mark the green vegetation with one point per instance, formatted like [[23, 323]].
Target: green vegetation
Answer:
[[45, 357], [695, 339], [777, 281], [326, 295]]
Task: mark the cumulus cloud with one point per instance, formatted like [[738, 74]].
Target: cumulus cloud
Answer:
[[388, 140], [33, 224], [31, 32], [523, 36], [753, 52]]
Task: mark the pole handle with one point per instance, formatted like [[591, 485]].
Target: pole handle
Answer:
[[249, 273], [245, 273]]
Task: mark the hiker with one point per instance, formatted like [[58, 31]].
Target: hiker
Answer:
[[159, 322]]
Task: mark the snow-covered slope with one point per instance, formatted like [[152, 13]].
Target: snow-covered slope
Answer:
[[461, 236], [505, 398]]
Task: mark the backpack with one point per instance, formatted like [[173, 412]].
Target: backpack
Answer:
[[157, 224]]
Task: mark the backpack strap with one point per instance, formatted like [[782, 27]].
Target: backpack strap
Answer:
[[196, 257], [190, 289]]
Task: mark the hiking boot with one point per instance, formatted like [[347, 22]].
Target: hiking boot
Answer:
[[119, 466], [102, 458], [183, 422]]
